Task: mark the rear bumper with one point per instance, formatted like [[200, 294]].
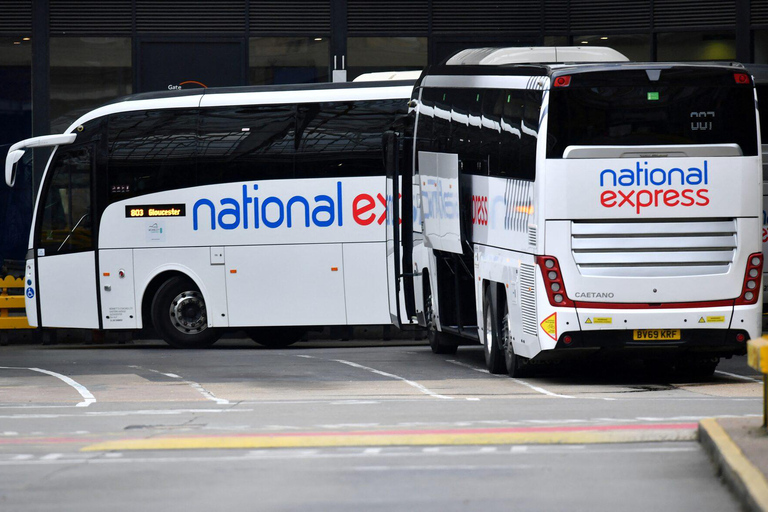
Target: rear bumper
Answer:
[[704, 342]]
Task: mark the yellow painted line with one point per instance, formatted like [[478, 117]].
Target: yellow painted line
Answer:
[[752, 478], [339, 440]]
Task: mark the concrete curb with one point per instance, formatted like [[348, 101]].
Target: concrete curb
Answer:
[[742, 477]]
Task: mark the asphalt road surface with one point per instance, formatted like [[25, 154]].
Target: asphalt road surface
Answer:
[[351, 426]]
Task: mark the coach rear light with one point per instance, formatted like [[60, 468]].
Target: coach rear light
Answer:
[[752, 278], [741, 78], [553, 281], [563, 81]]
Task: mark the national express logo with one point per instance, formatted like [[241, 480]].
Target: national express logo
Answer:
[[644, 187], [250, 211]]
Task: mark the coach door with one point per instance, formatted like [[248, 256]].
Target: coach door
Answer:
[[64, 242], [399, 229]]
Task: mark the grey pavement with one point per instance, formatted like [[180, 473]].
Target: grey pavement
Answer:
[[739, 448]]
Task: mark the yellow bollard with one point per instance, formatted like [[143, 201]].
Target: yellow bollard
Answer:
[[757, 358]]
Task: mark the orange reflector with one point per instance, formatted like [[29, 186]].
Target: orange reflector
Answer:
[[233, 271], [106, 274], [334, 269]]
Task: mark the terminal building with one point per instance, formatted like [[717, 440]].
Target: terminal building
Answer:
[[60, 58]]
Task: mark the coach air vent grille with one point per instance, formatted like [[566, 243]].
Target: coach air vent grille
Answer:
[[311, 17], [85, 17], [15, 16], [483, 16], [693, 13], [528, 299], [399, 16], [199, 16]]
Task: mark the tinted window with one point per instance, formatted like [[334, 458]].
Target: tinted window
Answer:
[[247, 143], [344, 138], [67, 219], [151, 151], [631, 110], [493, 131]]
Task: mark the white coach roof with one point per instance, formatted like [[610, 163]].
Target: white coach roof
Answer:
[[534, 55]]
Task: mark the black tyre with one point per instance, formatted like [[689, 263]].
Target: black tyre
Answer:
[[438, 341], [517, 366], [275, 337], [180, 315], [494, 355]]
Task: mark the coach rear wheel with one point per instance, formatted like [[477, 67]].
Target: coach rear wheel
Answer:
[[180, 315], [438, 341], [517, 366], [494, 355]]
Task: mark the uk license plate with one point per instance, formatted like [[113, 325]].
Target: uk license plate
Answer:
[[656, 334]]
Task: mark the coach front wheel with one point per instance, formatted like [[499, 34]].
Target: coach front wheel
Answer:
[[180, 315]]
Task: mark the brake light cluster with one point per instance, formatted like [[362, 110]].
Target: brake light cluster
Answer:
[[742, 78], [750, 291], [562, 81], [553, 281]]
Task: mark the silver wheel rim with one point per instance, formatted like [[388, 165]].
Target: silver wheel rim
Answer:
[[188, 314], [505, 332], [431, 326]]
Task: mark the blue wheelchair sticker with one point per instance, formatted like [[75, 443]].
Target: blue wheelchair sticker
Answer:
[[30, 293]]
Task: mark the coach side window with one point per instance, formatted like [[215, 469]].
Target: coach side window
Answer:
[[247, 143], [151, 151], [338, 139], [466, 122]]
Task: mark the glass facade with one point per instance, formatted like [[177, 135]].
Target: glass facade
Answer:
[[288, 60], [85, 73], [368, 54], [15, 124], [636, 47], [760, 46], [680, 46]]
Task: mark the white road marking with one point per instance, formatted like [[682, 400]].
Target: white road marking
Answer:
[[88, 398], [538, 389], [736, 376], [194, 385], [335, 453], [411, 383]]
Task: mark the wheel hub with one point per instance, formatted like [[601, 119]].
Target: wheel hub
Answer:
[[188, 313]]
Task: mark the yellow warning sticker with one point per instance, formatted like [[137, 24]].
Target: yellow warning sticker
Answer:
[[549, 325], [716, 319], [589, 321], [702, 321], [604, 320]]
